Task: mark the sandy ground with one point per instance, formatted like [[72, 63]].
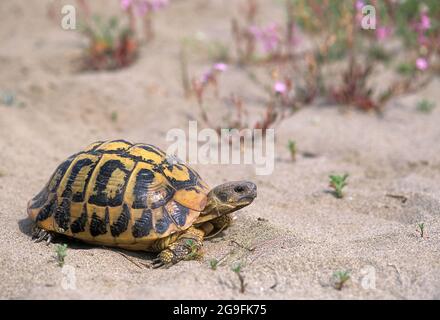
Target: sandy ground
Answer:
[[298, 233]]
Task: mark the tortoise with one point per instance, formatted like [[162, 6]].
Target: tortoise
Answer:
[[134, 196]]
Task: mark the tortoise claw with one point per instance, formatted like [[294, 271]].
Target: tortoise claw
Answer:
[[39, 235], [49, 239], [157, 263]]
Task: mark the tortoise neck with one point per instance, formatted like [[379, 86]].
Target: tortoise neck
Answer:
[[211, 210]]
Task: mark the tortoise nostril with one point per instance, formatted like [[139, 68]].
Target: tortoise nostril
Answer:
[[239, 189]]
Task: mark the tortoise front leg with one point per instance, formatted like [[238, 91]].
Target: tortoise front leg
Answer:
[[219, 224], [39, 234], [186, 245]]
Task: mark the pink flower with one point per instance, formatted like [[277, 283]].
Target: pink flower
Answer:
[[269, 36], [206, 77], [422, 39], [382, 33], [295, 38], [159, 4], [425, 22], [279, 87], [125, 4], [220, 66], [422, 64], [359, 5], [142, 7]]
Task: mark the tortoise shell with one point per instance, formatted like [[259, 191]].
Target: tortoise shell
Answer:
[[121, 194]]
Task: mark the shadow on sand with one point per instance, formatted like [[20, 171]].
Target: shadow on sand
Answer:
[[25, 226]]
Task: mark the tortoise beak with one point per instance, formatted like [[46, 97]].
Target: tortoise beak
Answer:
[[247, 192]]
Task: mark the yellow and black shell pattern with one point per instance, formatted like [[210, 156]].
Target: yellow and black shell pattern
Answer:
[[117, 193]]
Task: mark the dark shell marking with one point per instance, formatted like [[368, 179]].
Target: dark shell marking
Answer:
[[79, 225], [100, 197], [41, 198], [62, 214], [143, 225], [98, 225], [121, 224]]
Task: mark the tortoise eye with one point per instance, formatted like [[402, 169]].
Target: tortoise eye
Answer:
[[222, 196]]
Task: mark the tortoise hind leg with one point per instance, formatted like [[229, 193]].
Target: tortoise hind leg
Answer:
[[184, 247], [39, 234]]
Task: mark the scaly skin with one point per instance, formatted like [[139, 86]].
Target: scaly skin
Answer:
[[189, 242]]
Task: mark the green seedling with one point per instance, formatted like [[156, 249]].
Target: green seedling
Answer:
[[213, 263], [421, 229], [194, 253], [7, 98], [338, 182], [61, 251], [237, 268], [114, 116], [425, 106], [340, 277], [291, 145]]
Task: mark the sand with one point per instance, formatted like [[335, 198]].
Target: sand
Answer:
[[294, 236]]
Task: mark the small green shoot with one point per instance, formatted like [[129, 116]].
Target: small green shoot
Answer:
[[7, 98], [194, 253], [114, 116], [61, 251], [213, 263], [236, 268], [338, 182], [291, 145], [340, 277], [425, 106], [421, 229]]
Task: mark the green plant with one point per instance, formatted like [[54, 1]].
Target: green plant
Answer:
[[213, 263], [237, 268], [425, 106], [7, 98], [421, 229], [194, 252], [340, 278], [406, 69], [291, 145], [110, 46], [114, 116], [338, 182], [337, 39], [61, 252]]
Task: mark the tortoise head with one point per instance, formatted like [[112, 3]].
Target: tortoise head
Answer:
[[228, 197]]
